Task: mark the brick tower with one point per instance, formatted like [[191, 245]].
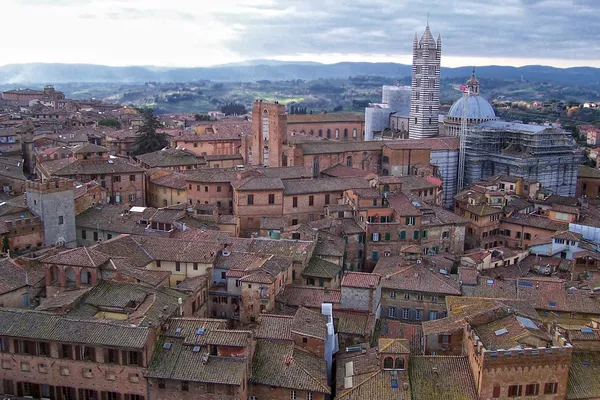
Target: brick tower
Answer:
[[269, 130], [425, 99]]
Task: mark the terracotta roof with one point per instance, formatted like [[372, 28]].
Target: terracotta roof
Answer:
[[286, 173], [354, 323], [441, 377], [520, 332], [323, 185], [360, 279], [13, 276], [536, 221], [583, 376], [391, 345], [324, 118], [467, 276], [309, 323], [389, 328], [281, 364], [588, 172], [193, 331], [566, 235], [257, 183], [342, 171], [43, 326], [296, 296], [180, 362], [79, 257], [317, 267], [418, 278], [276, 327], [212, 175], [170, 158]]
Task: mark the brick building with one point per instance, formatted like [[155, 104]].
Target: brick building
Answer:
[[337, 126], [588, 182], [165, 188], [269, 133]]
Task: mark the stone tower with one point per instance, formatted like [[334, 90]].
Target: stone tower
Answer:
[[54, 202], [269, 131], [425, 98]]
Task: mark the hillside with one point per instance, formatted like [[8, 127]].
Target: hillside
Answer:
[[252, 71]]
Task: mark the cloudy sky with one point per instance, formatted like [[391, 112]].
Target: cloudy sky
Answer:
[[208, 32]]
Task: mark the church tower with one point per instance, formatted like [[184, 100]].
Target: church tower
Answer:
[[425, 98], [269, 131]]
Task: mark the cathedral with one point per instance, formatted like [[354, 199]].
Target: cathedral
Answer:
[[425, 97]]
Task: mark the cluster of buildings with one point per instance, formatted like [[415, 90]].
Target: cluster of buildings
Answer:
[[276, 256]]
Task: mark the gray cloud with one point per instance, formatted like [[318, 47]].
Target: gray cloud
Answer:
[[565, 29]]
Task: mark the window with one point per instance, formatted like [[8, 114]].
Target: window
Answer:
[[177, 266], [551, 388], [416, 235], [66, 351], [420, 297], [527, 236], [195, 266], [399, 364], [410, 221], [116, 178], [61, 220], [375, 237], [83, 234], [532, 389], [402, 235], [375, 255], [337, 133], [311, 200], [131, 178], [294, 202], [133, 358], [434, 299], [514, 390], [327, 199], [433, 315], [388, 236], [424, 234], [111, 356], [292, 395], [218, 188], [418, 315], [132, 197], [496, 393], [95, 236], [518, 235], [250, 199], [392, 294], [185, 386], [405, 313], [157, 263], [388, 363], [271, 199], [354, 132], [210, 388], [406, 296], [309, 394]]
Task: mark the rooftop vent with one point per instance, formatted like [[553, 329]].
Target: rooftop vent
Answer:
[[167, 345], [501, 332], [178, 331], [200, 331], [196, 349]]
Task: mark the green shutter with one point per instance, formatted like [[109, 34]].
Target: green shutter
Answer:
[[388, 236], [424, 234], [403, 235], [416, 235]]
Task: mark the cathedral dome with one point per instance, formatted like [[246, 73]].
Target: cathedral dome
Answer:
[[477, 108]]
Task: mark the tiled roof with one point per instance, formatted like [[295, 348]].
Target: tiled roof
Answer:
[[89, 148], [330, 245], [441, 377], [296, 296], [180, 362], [171, 179], [309, 323], [536, 221], [467, 276], [70, 166], [354, 323], [257, 183], [360, 279], [343, 171], [402, 205], [519, 334], [42, 326], [323, 185], [298, 250], [276, 327], [273, 222], [167, 249], [170, 158], [389, 328], [417, 278], [286, 173], [212, 175], [323, 118], [320, 268], [583, 376], [393, 345], [114, 218], [279, 363], [78, 257], [240, 261], [566, 235], [229, 338], [13, 276], [194, 330], [588, 172]]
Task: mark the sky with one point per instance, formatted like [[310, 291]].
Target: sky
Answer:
[[189, 33]]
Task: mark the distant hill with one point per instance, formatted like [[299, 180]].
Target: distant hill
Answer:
[[21, 74]]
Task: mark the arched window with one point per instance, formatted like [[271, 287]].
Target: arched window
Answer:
[[429, 120], [385, 172], [399, 363], [321, 132], [345, 133], [388, 363], [354, 132], [265, 125], [70, 275], [365, 156], [349, 161], [328, 133], [386, 188], [416, 108], [85, 276], [386, 159], [337, 133], [415, 120]]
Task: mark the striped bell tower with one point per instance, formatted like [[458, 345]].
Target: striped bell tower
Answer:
[[425, 98]]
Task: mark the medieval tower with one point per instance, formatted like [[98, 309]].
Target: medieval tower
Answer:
[[269, 130], [425, 98]]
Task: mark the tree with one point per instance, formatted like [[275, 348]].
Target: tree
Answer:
[[201, 117], [233, 109], [5, 244], [112, 122], [338, 108], [147, 139]]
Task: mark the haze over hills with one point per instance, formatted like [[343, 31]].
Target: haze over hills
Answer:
[[254, 70]]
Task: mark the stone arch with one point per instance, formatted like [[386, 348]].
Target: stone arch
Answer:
[[349, 161], [328, 133], [54, 274]]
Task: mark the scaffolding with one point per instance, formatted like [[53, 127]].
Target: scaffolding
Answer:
[[541, 153], [463, 138]]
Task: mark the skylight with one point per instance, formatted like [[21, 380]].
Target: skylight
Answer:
[[501, 332]]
